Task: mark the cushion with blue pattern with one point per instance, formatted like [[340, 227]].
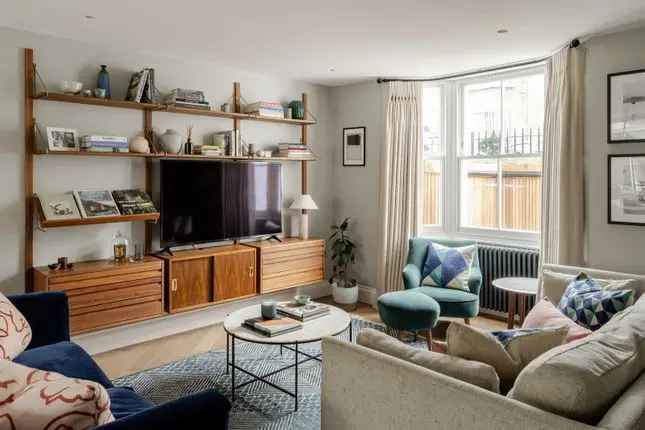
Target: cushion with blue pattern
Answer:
[[448, 267], [587, 303]]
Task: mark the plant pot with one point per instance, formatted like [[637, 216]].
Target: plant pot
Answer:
[[344, 296]]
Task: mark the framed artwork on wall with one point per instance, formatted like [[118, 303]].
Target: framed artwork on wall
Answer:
[[354, 146], [626, 107], [626, 189]]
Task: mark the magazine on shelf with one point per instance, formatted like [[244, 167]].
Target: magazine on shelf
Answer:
[[137, 85], [303, 312], [273, 327], [132, 202], [94, 204], [59, 207]]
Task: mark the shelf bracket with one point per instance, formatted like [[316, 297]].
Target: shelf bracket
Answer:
[[37, 80]]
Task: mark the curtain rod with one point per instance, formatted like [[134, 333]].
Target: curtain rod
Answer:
[[574, 44]]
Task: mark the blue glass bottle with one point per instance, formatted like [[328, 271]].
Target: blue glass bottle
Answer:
[[104, 81]]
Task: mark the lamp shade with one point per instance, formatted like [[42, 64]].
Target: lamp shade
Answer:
[[304, 201]]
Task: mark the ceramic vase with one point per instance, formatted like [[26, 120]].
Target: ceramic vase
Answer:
[[140, 145], [103, 81], [297, 109], [171, 141]]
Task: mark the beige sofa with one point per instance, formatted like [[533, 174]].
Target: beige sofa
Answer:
[[365, 389]]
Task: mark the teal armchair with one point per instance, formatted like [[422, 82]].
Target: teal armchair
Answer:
[[453, 303]]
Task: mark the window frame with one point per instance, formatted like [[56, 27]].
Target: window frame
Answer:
[[440, 226]]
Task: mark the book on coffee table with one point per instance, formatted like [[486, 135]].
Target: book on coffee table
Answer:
[[274, 327], [303, 313]]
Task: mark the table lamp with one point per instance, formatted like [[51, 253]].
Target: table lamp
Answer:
[[305, 203]]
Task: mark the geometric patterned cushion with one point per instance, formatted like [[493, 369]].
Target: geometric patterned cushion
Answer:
[[36, 399], [15, 331], [591, 306], [506, 336], [448, 267]]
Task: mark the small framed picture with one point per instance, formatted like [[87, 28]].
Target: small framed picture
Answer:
[[626, 189], [62, 139], [354, 146], [626, 107]]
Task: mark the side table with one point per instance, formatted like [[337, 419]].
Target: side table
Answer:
[[518, 289]]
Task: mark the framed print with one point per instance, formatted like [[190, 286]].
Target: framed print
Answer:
[[354, 146], [62, 139], [626, 189], [626, 107]]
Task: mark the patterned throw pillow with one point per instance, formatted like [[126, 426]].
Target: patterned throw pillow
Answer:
[[591, 306], [15, 332], [448, 267], [35, 399]]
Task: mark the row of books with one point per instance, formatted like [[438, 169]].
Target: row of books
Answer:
[[96, 143], [92, 204], [142, 87], [294, 316], [265, 108], [294, 150]]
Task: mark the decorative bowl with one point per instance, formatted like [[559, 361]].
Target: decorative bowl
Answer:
[[71, 87], [302, 299]]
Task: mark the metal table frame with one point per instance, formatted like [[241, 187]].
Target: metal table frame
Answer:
[[230, 362]]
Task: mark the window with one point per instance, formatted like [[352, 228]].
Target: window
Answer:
[[483, 142]]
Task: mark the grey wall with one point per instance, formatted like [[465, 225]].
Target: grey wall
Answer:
[[615, 247], [59, 60]]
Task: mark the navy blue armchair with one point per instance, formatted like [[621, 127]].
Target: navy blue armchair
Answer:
[[50, 349]]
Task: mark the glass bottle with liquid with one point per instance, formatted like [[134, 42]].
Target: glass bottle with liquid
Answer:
[[120, 246]]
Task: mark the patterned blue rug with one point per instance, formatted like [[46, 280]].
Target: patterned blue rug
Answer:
[[257, 405]]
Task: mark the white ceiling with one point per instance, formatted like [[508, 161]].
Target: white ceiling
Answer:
[[303, 39]]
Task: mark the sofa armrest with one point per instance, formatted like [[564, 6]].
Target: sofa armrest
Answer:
[[475, 280], [411, 276], [207, 409], [366, 389], [47, 314]]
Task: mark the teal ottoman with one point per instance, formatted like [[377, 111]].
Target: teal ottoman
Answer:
[[410, 311]]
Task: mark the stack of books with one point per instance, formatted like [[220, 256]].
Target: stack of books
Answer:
[[104, 143], [294, 150], [302, 312], [212, 150], [183, 98], [263, 108], [274, 327]]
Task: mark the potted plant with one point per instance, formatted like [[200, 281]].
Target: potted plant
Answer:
[[344, 288]]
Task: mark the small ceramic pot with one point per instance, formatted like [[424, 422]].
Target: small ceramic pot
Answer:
[[302, 299], [268, 310], [140, 145], [99, 93], [171, 141], [345, 296]]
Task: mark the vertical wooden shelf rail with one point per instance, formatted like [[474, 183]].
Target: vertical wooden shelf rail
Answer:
[[147, 132], [29, 168]]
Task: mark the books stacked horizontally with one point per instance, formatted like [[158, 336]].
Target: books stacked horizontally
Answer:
[[303, 313], [211, 150], [267, 109], [183, 98], [96, 143], [274, 327], [294, 150]]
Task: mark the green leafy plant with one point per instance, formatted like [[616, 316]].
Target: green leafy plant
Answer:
[[342, 253]]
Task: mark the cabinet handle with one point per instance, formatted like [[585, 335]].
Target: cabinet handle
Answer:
[[173, 285], [251, 271]]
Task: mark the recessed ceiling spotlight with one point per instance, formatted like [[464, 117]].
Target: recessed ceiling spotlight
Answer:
[[331, 69], [502, 31], [90, 17]]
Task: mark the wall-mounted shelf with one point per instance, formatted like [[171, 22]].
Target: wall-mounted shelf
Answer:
[[95, 101], [165, 156]]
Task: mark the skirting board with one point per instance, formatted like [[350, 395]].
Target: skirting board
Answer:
[[168, 325]]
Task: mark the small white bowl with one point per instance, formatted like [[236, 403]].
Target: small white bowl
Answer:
[[71, 87]]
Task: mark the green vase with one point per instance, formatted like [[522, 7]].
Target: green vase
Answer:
[[297, 109]]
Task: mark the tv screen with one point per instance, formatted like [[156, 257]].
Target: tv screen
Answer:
[[206, 201]]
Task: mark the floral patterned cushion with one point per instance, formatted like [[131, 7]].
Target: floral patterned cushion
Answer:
[[36, 399], [15, 332]]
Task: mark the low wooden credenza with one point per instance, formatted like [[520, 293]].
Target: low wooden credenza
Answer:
[[104, 294]]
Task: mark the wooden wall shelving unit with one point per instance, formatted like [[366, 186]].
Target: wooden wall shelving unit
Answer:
[[34, 211]]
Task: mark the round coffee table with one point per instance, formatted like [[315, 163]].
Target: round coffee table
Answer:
[[333, 324], [519, 288]]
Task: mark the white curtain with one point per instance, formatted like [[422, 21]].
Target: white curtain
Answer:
[[399, 192], [563, 218]]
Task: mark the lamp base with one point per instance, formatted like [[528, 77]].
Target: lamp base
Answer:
[[304, 225]]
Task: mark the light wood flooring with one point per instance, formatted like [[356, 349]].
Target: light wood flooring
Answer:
[[158, 352]]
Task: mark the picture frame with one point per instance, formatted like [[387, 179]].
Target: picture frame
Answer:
[[626, 107], [626, 189], [354, 146], [62, 139]]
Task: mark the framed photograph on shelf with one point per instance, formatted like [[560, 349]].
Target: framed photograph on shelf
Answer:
[[354, 146], [626, 189], [59, 207], [626, 107], [62, 139], [96, 203]]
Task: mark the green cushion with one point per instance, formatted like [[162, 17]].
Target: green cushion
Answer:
[[408, 310], [454, 303]]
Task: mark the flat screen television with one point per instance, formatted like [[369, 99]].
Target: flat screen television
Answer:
[[211, 200]]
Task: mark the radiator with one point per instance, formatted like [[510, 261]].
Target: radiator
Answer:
[[500, 262]]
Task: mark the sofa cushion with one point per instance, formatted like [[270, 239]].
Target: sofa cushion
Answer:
[[65, 358], [554, 284], [508, 352], [473, 372], [448, 267], [590, 304], [453, 302], [581, 380], [36, 399], [15, 332], [545, 314], [126, 402]]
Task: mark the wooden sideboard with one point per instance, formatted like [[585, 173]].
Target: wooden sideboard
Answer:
[[291, 263], [104, 294], [202, 277]]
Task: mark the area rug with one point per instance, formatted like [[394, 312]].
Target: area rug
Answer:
[[257, 405]]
